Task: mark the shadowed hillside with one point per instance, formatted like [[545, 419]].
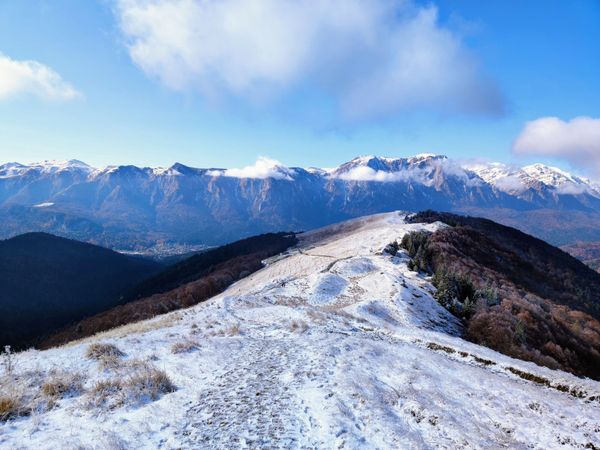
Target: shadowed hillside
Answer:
[[47, 282]]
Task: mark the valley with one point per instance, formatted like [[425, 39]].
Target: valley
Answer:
[[180, 208]]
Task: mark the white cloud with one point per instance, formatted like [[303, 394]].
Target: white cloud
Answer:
[[263, 168], [422, 175], [576, 141], [510, 183], [31, 77], [373, 57], [573, 189], [365, 173]]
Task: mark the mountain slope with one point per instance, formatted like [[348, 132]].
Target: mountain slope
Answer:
[[179, 286], [588, 252], [47, 281], [517, 294], [336, 345], [132, 208], [197, 266]]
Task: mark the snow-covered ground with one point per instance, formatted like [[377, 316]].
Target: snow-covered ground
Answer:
[[335, 345]]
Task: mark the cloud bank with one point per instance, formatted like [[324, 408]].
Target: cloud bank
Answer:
[[423, 175], [576, 141], [263, 168], [31, 77], [372, 57]]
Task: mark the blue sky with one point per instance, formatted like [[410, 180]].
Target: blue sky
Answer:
[[135, 99]]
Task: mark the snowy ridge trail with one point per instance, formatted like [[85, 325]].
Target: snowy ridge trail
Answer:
[[249, 397], [335, 344]]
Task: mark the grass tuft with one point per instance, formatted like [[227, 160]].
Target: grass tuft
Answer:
[[10, 407], [184, 346], [98, 351], [139, 382]]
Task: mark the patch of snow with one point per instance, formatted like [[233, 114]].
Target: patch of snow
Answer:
[[12, 169], [43, 205], [165, 171]]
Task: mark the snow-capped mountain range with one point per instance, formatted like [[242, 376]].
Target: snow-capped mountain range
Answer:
[[517, 180], [129, 206]]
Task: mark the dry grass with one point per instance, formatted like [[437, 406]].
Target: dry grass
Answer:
[[11, 406], [21, 394], [108, 355], [132, 328], [33, 392], [112, 441], [98, 351], [184, 346], [298, 326], [232, 330], [140, 383], [62, 384], [150, 383], [316, 316], [105, 393]]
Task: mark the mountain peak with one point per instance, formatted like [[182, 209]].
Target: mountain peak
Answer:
[[423, 156], [381, 168], [61, 165], [14, 169]]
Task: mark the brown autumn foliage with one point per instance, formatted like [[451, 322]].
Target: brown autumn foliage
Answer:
[[588, 252], [535, 315]]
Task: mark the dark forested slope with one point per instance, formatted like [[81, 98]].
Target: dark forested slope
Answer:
[[47, 282]]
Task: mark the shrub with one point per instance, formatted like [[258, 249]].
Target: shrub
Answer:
[[8, 360], [392, 248], [455, 293], [489, 295], [415, 244]]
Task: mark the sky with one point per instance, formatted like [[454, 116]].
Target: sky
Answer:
[[219, 83]]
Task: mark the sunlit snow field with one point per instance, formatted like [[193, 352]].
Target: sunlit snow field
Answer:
[[334, 345]]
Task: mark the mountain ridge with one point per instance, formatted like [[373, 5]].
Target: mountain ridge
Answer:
[[133, 208]]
